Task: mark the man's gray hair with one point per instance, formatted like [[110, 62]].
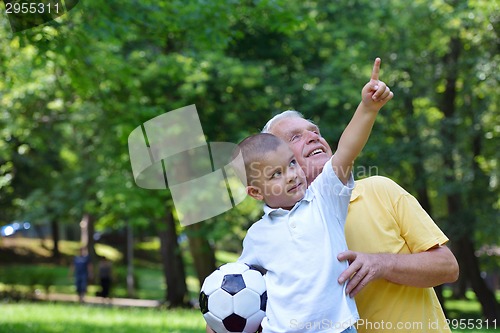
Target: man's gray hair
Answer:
[[279, 116]]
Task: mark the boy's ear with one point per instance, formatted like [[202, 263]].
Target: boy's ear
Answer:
[[255, 192]]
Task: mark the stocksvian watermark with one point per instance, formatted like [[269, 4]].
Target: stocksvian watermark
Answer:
[[170, 151], [27, 14]]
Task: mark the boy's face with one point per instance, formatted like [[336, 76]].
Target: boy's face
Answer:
[[303, 137], [278, 179]]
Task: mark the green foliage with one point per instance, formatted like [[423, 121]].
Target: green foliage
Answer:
[[28, 278], [72, 91]]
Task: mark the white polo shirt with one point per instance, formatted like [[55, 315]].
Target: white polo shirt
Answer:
[[299, 248]]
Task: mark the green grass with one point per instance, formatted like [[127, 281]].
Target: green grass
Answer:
[[468, 308], [463, 308], [74, 318]]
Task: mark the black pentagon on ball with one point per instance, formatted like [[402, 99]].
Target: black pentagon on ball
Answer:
[[203, 302], [263, 301], [234, 323], [233, 283]]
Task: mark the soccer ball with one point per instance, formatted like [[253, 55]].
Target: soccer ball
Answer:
[[233, 299]]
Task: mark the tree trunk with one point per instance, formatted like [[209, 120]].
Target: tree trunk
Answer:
[[183, 168], [459, 287], [91, 241], [39, 231], [448, 134], [87, 240], [201, 251], [130, 261], [491, 308], [56, 254], [173, 266], [457, 212], [420, 180]]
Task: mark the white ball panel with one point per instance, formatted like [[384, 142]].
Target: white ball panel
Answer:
[[255, 281], [234, 268], [214, 323], [212, 282], [220, 304], [246, 303], [254, 321]]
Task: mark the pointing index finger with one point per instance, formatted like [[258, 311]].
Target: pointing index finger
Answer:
[[376, 69]]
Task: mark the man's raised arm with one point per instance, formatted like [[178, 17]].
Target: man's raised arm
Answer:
[[373, 96]]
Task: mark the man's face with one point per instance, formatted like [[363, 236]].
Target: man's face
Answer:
[[310, 148]]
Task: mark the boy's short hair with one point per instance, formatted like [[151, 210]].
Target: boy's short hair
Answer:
[[253, 149]]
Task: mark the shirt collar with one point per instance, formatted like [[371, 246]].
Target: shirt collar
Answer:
[[356, 192], [282, 212]]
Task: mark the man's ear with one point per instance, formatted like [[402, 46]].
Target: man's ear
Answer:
[[255, 192]]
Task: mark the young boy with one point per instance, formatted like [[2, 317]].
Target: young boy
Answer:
[[302, 230]]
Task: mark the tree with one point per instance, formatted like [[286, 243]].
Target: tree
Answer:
[[75, 88]]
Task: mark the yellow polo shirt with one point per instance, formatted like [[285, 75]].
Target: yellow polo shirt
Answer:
[[384, 218]]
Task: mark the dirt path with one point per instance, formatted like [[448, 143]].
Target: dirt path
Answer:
[[125, 302]]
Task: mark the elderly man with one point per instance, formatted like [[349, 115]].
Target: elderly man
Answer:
[[397, 252]]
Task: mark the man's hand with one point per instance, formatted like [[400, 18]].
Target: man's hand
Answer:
[[363, 268], [376, 93], [424, 269]]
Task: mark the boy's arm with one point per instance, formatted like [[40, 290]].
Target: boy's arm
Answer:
[[374, 95]]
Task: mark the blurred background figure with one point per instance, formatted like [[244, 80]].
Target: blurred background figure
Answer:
[[105, 277], [82, 271]]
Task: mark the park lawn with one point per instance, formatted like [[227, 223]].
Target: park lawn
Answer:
[[150, 281], [75, 318], [49, 317], [26, 278]]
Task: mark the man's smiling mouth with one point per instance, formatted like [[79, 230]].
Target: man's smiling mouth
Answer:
[[315, 152]]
